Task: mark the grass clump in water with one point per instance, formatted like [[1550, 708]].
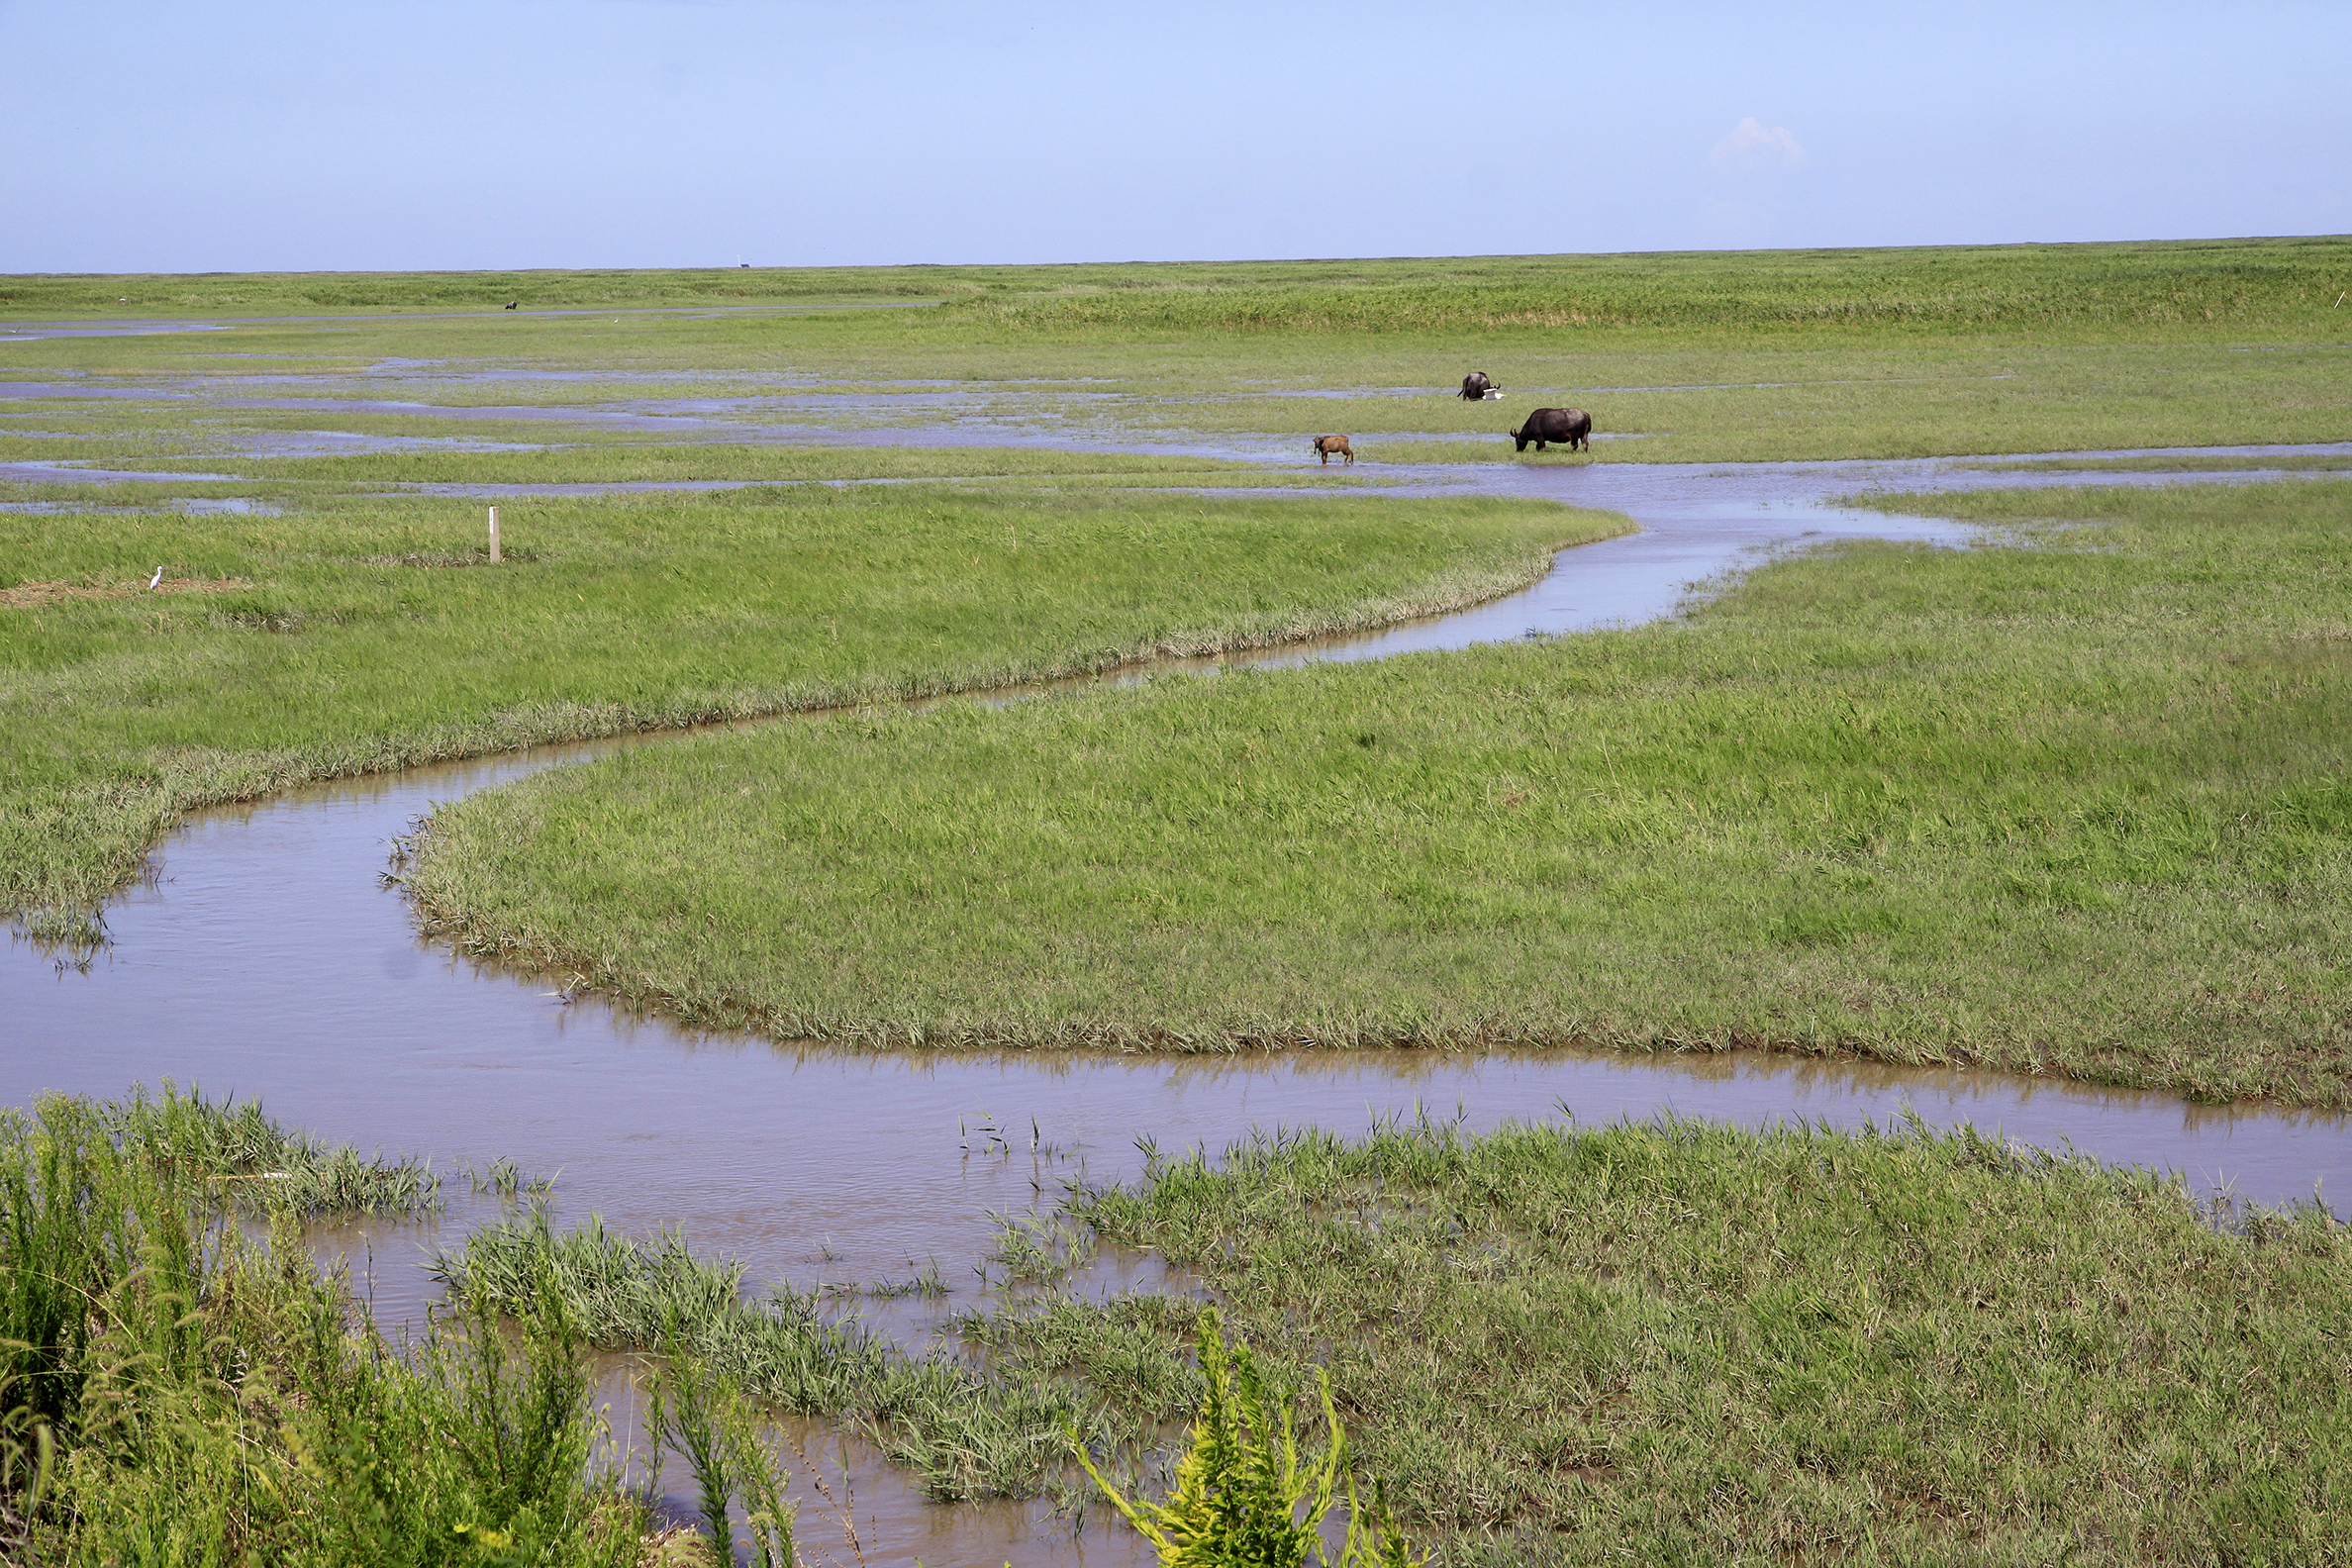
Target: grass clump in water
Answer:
[[964, 1436], [243, 1161]]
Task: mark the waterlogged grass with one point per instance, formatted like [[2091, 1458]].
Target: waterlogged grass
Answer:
[[1685, 1343], [234, 1157], [964, 1436], [2073, 801], [173, 1393], [338, 637]]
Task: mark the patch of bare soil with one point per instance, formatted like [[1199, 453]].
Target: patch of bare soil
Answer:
[[33, 595]]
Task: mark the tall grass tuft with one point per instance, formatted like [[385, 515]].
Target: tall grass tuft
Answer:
[[704, 1418]]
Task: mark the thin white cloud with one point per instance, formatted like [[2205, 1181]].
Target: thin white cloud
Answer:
[[1752, 150]]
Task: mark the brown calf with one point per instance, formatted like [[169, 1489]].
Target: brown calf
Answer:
[[1328, 447]]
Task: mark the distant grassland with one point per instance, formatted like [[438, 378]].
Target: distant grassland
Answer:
[[350, 636], [2079, 802], [2245, 281]]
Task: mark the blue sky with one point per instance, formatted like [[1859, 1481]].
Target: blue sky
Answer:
[[266, 134]]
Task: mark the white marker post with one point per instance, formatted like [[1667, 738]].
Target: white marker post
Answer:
[[494, 535]]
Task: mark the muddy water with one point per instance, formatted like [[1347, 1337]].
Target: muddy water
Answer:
[[266, 958]]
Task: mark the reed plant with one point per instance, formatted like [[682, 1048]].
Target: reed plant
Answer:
[[1240, 1494], [705, 1420]]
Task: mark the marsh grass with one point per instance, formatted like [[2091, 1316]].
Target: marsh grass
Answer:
[[333, 656], [1672, 1341], [1679, 1342], [229, 1149], [2070, 800]]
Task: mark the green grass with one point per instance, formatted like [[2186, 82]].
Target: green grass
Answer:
[[1713, 357], [2078, 800], [616, 464], [1692, 1344], [329, 643]]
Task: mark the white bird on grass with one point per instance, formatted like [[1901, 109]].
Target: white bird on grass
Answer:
[[156, 581]]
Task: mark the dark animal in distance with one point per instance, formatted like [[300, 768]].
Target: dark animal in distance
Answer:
[[1476, 385], [513, 304], [1328, 447], [1572, 426]]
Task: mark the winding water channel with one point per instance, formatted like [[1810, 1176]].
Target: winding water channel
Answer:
[[266, 958]]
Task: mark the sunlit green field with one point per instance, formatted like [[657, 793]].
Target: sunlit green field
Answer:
[[2072, 800]]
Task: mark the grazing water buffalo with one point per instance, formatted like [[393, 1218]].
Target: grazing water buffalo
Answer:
[[1328, 447], [1476, 385], [1573, 425]]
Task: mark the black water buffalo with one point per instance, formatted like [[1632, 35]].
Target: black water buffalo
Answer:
[[1328, 447], [1572, 426], [1476, 385]]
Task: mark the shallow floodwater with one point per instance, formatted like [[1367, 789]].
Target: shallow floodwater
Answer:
[[266, 957]]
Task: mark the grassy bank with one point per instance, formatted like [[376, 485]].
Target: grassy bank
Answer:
[[2073, 801], [354, 635], [1689, 1344]]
